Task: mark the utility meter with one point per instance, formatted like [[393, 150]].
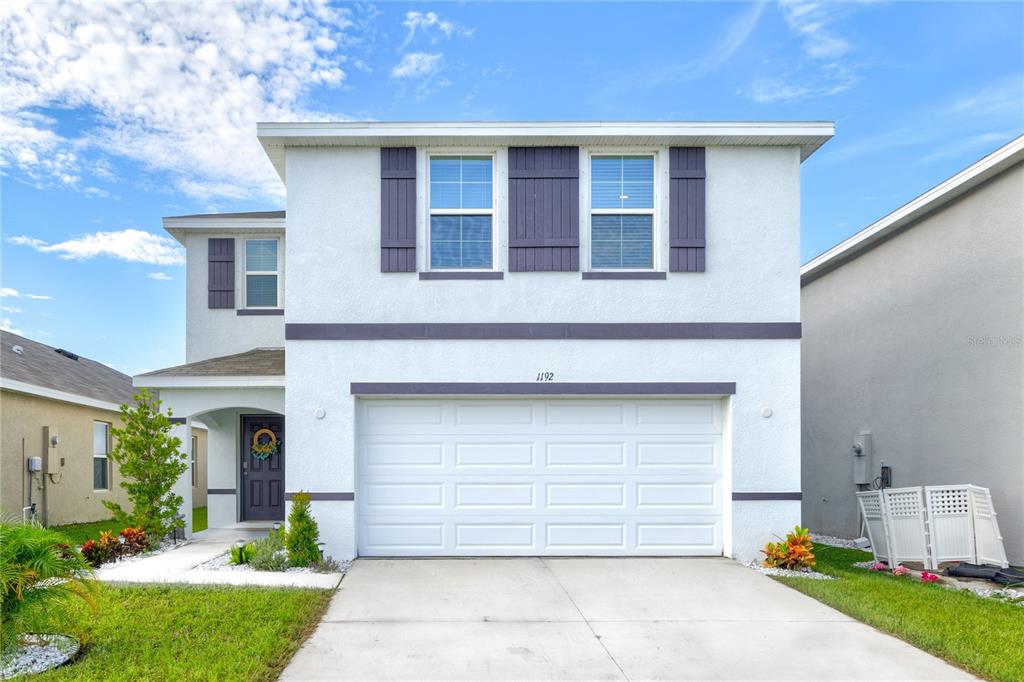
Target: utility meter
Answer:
[[35, 464]]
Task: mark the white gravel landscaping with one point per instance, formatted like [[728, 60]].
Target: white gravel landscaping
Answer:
[[833, 541], [787, 573], [38, 653], [222, 562]]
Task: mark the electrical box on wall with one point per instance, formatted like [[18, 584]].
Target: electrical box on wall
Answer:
[[35, 464], [51, 441], [862, 458]]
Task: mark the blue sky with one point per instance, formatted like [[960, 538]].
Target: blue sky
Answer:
[[114, 115]]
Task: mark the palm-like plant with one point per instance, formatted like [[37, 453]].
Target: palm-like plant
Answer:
[[39, 571]]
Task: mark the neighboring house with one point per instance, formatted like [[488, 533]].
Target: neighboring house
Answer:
[[59, 406], [506, 338], [914, 333]]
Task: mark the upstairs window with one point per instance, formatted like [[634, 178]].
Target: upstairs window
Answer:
[[100, 459], [461, 212], [261, 275], [622, 212]]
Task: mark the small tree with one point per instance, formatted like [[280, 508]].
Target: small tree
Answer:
[[303, 534], [151, 462]]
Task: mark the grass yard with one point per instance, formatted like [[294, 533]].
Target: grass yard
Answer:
[[187, 632], [983, 636], [80, 532]]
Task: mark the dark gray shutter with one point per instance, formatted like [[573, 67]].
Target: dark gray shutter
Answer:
[[686, 209], [543, 209], [398, 209], [220, 286]]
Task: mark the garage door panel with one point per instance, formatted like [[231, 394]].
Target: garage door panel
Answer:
[[539, 477]]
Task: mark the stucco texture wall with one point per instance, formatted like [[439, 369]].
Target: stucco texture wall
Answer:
[[70, 497], [919, 341]]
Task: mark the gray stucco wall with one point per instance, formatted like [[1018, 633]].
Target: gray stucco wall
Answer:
[[919, 341]]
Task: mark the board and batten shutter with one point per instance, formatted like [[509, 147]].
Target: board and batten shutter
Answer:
[[543, 209], [686, 209], [220, 255], [398, 209]]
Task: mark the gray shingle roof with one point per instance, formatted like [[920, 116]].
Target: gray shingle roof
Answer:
[[257, 362], [41, 365]]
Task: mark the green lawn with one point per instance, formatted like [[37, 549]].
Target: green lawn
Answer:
[[80, 532], [983, 636], [187, 633]]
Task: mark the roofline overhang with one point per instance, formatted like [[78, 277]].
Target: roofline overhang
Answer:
[[991, 165], [275, 137], [178, 226], [53, 394], [241, 382]]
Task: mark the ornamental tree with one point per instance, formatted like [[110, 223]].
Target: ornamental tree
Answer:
[[151, 462], [303, 534]]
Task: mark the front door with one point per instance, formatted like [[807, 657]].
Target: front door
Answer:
[[263, 467]]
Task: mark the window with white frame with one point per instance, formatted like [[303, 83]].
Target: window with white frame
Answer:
[[100, 452], [261, 273], [622, 212], [461, 212], [195, 450]]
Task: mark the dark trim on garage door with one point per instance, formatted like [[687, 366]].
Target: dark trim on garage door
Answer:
[[297, 331], [221, 491], [544, 388], [767, 496], [325, 496]]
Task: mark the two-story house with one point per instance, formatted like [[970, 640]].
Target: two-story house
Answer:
[[507, 338]]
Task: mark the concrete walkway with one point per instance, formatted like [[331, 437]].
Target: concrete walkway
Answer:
[[606, 619], [179, 565]]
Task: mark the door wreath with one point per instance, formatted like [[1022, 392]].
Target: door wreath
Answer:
[[264, 444]]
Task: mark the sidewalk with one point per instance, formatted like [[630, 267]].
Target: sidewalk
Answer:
[[179, 565]]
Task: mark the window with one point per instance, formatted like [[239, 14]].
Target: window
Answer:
[[261, 273], [461, 212], [100, 449], [622, 212], [195, 451]]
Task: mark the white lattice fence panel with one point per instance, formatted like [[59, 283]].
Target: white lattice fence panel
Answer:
[[872, 509], [988, 540], [905, 516], [951, 524]]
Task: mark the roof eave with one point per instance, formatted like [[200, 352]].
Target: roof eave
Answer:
[[945, 192]]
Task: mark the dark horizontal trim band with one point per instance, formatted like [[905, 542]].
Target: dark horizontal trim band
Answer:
[[684, 174], [687, 244], [177, 420], [398, 243], [624, 275], [545, 388], [339, 331], [568, 242], [246, 312], [767, 496], [408, 174], [462, 275], [540, 173], [221, 491], [325, 497]]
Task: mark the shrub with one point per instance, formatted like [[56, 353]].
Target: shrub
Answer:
[[242, 555], [135, 541], [269, 554], [303, 533], [38, 572], [795, 552], [151, 461]]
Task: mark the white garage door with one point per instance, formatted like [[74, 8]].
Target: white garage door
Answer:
[[539, 477]]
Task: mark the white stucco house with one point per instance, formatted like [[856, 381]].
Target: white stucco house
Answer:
[[506, 338]]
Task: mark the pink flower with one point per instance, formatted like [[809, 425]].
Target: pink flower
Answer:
[[900, 570], [927, 577], [879, 566]]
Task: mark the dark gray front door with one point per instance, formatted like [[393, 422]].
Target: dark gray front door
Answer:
[[262, 474]]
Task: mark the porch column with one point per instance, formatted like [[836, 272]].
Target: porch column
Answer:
[[183, 487]]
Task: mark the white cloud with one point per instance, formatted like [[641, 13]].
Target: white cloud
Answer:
[[175, 87], [10, 309], [1002, 97], [418, 65], [159, 276], [431, 25], [832, 80], [134, 246], [982, 143], [7, 326], [811, 21], [7, 292]]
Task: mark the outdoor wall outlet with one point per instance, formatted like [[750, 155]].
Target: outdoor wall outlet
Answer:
[[862, 458]]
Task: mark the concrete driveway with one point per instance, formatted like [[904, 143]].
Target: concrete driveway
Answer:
[[591, 619]]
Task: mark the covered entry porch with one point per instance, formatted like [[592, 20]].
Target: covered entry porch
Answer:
[[240, 398]]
